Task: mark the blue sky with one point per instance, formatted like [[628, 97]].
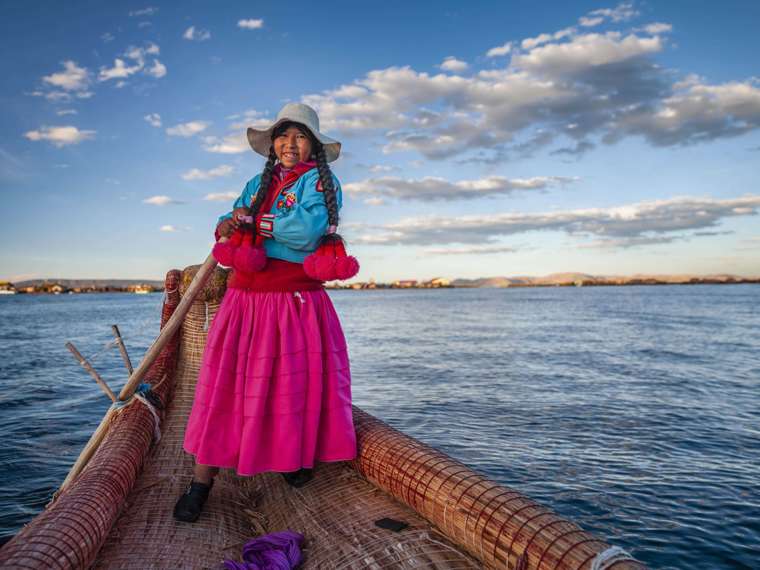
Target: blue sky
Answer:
[[480, 139]]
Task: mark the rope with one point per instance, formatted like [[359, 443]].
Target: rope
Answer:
[[607, 557], [140, 394], [205, 323]]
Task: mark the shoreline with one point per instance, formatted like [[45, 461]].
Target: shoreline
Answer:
[[388, 286]]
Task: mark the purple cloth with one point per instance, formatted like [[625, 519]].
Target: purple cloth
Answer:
[[273, 551]]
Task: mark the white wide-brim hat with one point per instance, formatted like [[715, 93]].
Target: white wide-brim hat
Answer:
[[261, 140]]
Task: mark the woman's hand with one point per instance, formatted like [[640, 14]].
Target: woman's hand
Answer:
[[227, 227], [239, 213]]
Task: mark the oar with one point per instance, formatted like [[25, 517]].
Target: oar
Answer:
[[134, 380]]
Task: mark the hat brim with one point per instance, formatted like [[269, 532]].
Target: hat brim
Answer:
[[261, 140]]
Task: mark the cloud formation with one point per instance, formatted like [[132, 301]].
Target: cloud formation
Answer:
[[161, 201], [434, 188], [222, 196], [73, 81], [642, 223], [234, 143], [147, 11], [60, 136], [251, 24], [153, 119], [187, 129], [453, 64], [197, 174], [471, 250], [196, 35], [565, 91], [134, 61]]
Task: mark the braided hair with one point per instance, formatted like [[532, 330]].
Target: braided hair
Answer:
[[265, 180], [325, 179]]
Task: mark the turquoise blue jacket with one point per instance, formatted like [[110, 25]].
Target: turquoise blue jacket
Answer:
[[298, 215]]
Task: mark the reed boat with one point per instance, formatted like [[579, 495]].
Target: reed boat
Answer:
[[114, 510]]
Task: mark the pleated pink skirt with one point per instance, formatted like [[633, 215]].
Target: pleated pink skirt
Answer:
[[274, 388]]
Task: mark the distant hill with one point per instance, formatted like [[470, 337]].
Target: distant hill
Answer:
[[91, 283], [584, 279]]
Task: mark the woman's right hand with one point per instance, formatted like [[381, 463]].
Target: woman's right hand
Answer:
[[227, 227]]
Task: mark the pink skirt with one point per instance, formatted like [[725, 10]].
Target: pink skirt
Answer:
[[274, 389]]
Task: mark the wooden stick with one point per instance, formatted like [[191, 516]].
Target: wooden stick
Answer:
[[122, 348], [170, 327], [87, 366]]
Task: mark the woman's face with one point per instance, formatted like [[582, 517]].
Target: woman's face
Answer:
[[291, 147]]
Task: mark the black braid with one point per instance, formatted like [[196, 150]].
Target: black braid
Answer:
[[265, 180], [325, 177]]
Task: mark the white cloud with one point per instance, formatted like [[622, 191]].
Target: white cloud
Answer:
[[147, 11], [168, 228], [161, 201], [187, 129], [471, 250], [154, 119], [587, 22], [197, 174], [222, 196], [658, 28], [374, 201], [138, 55], [641, 223], [60, 136], [433, 188], [589, 50], [157, 70], [196, 35], [500, 50], [620, 13], [107, 37], [453, 64], [234, 143], [63, 112], [251, 24], [72, 78], [119, 70]]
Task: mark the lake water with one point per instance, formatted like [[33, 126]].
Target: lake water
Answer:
[[634, 411]]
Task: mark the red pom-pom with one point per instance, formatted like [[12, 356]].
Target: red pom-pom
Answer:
[[346, 267], [309, 265], [224, 252], [321, 267], [249, 259]]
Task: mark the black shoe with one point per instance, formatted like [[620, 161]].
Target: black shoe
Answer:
[[299, 478], [190, 504]]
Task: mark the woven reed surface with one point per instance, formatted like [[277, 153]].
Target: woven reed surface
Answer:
[[335, 511], [72, 528], [499, 526]]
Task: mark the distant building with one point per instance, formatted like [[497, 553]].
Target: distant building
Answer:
[[140, 289], [436, 282], [7, 288], [405, 283], [55, 288]]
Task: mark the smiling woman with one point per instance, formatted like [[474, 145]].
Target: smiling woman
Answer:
[[274, 390]]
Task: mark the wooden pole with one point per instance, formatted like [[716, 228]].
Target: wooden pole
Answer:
[[122, 348], [87, 366], [171, 326]]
